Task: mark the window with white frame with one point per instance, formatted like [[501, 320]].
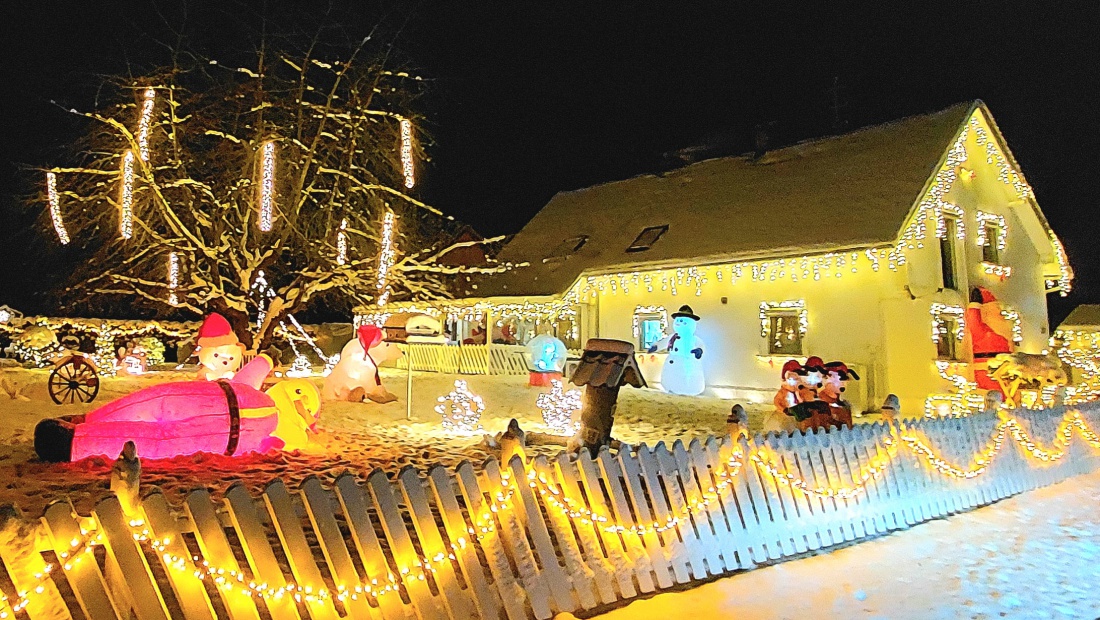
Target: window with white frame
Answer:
[[650, 325], [948, 330], [783, 325]]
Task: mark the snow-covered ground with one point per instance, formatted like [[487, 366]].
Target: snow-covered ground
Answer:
[[1035, 555], [354, 436]]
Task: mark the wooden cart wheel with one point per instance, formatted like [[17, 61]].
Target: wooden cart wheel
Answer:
[[74, 380]]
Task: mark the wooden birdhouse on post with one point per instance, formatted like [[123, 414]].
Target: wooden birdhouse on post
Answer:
[[605, 366]]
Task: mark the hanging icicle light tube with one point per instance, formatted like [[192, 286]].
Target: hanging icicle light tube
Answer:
[[386, 257], [267, 185], [342, 243], [126, 200], [407, 153], [145, 122], [173, 277], [55, 208]]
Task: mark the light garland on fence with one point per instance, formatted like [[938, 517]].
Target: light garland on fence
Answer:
[[55, 208], [342, 243], [998, 221], [461, 409], [658, 310], [386, 257], [233, 580], [144, 123], [993, 269], [407, 153], [938, 310], [173, 277], [770, 308], [558, 407], [126, 198], [267, 185]]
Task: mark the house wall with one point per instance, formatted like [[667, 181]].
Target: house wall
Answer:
[[842, 313]]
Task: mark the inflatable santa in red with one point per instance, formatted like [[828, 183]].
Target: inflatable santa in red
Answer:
[[990, 334]]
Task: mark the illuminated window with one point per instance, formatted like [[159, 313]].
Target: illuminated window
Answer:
[[565, 248], [647, 238], [947, 254], [947, 345], [784, 334], [650, 331], [991, 251]]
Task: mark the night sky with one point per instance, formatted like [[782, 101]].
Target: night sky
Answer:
[[530, 98]]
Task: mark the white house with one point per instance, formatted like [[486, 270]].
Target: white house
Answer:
[[861, 248]]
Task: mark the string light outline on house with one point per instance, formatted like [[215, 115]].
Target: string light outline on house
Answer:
[[55, 208], [768, 308], [461, 409], [386, 257], [342, 243], [126, 198], [145, 122], [658, 310], [558, 407], [173, 277], [938, 310], [267, 184], [993, 269], [998, 222], [554, 496], [1065, 278], [407, 153]]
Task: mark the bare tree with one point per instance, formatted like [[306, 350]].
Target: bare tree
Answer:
[[295, 166]]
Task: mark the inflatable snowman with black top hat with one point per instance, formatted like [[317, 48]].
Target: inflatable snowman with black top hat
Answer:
[[683, 369]]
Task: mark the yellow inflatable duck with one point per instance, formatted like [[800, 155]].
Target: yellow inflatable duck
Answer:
[[298, 402]]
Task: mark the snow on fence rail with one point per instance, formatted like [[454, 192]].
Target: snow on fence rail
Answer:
[[529, 539]]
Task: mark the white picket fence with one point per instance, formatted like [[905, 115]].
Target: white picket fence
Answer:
[[533, 538], [467, 359]]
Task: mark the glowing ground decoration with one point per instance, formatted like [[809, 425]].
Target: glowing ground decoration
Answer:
[[407, 153], [126, 199], [144, 123], [55, 208], [267, 185], [342, 243], [461, 409], [386, 256], [173, 277], [558, 407]]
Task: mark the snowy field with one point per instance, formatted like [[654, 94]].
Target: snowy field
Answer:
[[354, 436], [1035, 555]]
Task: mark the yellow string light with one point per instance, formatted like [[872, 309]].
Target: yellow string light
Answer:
[[232, 580]]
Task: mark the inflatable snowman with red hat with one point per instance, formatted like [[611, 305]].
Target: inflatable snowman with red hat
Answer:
[[219, 350]]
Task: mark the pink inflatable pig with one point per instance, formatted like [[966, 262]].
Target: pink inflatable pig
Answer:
[[355, 376]]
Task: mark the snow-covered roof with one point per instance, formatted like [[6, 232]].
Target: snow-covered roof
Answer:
[[849, 191], [1085, 316]]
